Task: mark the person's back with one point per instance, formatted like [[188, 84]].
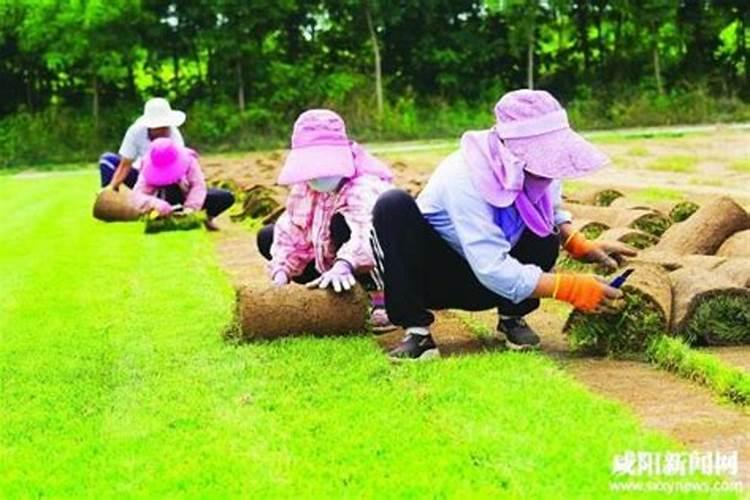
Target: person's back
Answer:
[[159, 120]]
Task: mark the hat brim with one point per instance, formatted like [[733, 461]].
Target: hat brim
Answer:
[[173, 119], [167, 175], [312, 162], [562, 154]]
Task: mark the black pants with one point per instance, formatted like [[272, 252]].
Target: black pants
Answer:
[[421, 271], [217, 200], [340, 234]]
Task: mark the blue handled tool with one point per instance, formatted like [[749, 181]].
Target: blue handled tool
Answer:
[[621, 279]]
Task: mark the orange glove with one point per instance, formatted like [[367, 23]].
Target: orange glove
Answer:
[[578, 246], [582, 290]]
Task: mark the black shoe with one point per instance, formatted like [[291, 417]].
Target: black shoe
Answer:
[[415, 347], [518, 335]]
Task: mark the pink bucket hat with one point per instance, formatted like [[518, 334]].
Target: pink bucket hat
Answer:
[[320, 148], [166, 163], [534, 127]]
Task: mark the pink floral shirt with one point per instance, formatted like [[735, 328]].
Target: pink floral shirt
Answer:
[[303, 233]]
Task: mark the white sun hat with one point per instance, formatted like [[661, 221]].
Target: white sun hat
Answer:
[[158, 113]]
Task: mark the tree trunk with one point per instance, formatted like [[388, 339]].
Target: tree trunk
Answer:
[[583, 34], [176, 66], [376, 57], [657, 68], [95, 101], [240, 87], [530, 61], [742, 46]]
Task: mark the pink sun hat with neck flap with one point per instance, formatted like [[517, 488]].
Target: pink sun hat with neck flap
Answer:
[[320, 148], [535, 128], [166, 162]]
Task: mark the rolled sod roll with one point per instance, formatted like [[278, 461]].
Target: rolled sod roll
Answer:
[[707, 229], [677, 211], [633, 237], [709, 307], [646, 313], [595, 196], [672, 262], [268, 312], [591, 229], [647, 221], [115, 206], [736, 269], [737, 245]]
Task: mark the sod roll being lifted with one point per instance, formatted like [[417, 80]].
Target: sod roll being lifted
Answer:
[[646, 313], [708, 307], [115, 206], [269, 312], [706, 230]]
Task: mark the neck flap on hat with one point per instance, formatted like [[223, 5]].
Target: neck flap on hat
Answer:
[[501, 180], [367, 164]]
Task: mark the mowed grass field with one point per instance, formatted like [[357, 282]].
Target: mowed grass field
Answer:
[[116, 380]]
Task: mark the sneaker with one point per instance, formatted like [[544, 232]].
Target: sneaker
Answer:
[[518, 335], [415, 348], [211, 225], [379, 321]]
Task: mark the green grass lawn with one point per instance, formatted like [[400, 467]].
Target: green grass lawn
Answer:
[[116, 381]]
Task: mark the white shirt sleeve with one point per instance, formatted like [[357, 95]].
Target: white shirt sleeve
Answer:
[[129, 146]]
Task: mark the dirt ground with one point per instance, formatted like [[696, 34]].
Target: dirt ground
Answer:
[[687, 412]]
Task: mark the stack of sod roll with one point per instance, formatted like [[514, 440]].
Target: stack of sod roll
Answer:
[[693, 283]]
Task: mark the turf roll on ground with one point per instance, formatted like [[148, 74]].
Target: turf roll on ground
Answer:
[[672, 262], [293, 310], [679, 211], [177, 222], [648, 221], [646, 312], [591, 229], [633, 237], [706, 230], [115, 206], [709, 308], [737, 245], [736, 269], [596, 196]]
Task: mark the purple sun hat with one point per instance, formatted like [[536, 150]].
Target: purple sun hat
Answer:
[[320, 148], [165, 163], [535, 128]]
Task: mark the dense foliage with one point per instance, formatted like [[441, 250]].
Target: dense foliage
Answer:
[[396, 69]]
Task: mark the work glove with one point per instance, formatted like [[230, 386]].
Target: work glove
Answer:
[[340, 277], [280, 278], [607, 253], [586, 292]]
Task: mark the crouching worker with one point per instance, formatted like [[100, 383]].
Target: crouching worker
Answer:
[[323, 237], [486, 230], [171, 177], [158, 120]]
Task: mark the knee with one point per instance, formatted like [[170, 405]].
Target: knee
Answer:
[[227, 199], [264, 241], [109, 160], [389, 204]]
